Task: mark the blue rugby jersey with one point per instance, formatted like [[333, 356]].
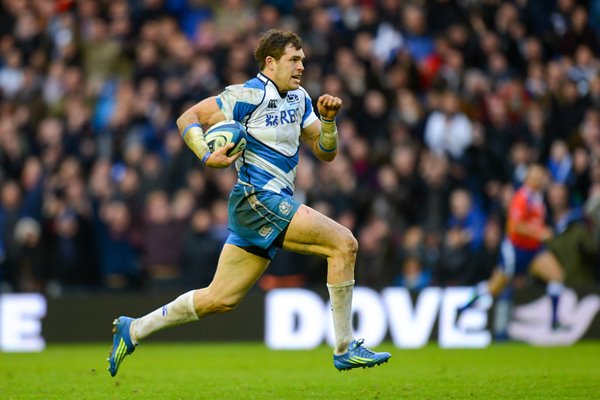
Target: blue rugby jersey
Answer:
[[273, 124]]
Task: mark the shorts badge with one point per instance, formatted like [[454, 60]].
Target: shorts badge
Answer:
[[285, 207], [265, 230]]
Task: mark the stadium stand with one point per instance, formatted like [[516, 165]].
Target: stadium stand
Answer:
[[98, 191]]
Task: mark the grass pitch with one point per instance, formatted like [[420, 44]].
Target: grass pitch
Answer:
[[250, 371]]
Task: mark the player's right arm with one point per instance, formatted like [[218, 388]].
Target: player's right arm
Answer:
[[190, 123]]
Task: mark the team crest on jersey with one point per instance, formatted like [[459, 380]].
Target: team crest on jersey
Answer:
[[292, 98], [285, 207], [265, 230]]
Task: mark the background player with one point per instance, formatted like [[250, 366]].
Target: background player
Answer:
[[522, 249], [277, 113]]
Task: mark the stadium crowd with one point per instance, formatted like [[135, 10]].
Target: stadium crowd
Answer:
[[445, 104]]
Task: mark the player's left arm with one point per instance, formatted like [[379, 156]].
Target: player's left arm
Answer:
[[322, 136]]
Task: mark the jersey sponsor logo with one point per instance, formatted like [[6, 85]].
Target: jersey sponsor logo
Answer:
[[284, 117], [272, 104]]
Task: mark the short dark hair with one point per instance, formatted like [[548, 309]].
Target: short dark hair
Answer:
[[273, 43]]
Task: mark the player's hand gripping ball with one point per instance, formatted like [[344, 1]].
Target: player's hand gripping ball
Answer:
[[225, 132]]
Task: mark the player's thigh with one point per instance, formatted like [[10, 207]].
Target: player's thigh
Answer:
[[237, 271], [546, 266], [311, 232]]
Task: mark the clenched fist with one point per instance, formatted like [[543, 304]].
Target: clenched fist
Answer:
[[329, 106]]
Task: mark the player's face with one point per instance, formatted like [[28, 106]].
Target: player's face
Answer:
[[536, 178], [288, 69]]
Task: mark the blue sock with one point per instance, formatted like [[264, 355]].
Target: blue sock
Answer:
[[502, 314], [554, 290], [554, 300]]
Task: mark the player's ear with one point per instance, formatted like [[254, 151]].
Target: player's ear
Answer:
[[270, 63]]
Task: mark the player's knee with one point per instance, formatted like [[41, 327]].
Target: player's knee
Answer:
[[347, 246], [220, 303], [352, 246], [225, 304]]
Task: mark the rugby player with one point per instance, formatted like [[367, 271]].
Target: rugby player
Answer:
[[263, 216], [522, 249]]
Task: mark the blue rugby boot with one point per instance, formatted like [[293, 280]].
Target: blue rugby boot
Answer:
[[122, 344], [359, 356]]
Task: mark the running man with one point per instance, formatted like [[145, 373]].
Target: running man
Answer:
[[522, 249], [263, 216]]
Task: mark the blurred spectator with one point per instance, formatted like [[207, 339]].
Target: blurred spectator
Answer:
[[462, 239], [485, 171], [580, 186], [162, 237], [30, 259], [119, 261], [434, 208], [579, 33], [373, 122], [418, 40], [200, 251], [11, 74], [73, 252], [584, 69], [413, 273], [372, 264], [589, 130], [500, 134], [102, 57], [560, 164], [409, 191], [466, 216], [448, 131], [520, 157], [567, 109], [482, 262], [536, 132], [10, 213]]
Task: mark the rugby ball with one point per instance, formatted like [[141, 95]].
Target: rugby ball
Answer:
[[225, 132]]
